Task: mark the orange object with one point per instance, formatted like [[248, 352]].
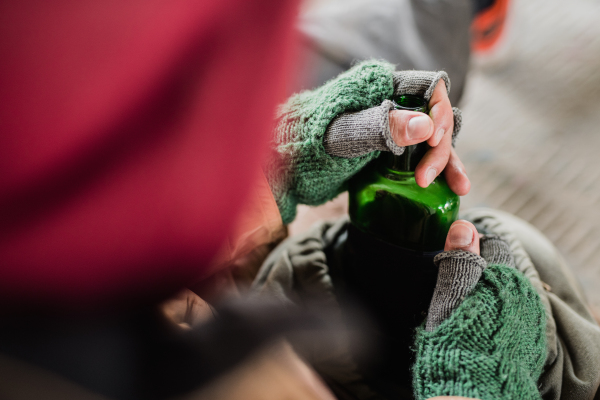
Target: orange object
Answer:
[[488, 26]]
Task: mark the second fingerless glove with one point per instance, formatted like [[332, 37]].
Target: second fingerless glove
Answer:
[[485, 336]]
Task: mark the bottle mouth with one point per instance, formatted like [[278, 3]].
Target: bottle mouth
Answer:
[[410, 102]]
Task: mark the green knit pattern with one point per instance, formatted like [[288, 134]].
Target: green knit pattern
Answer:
[[301, 171], [493, 346]]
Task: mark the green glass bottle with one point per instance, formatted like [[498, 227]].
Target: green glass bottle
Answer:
[[387, 252], [386, 202]]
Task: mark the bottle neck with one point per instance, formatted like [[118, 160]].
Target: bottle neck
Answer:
[[407, 161]]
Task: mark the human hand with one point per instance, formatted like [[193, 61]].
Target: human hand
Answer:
[[462, 236], [325, 136], [490, 285], [409, 127]]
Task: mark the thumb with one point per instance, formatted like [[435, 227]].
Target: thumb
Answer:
[[462, 236], [410, 127]]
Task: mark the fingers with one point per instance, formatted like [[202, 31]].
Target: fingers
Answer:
[[441, 113], [433, 162], [456, 176], [443, 158], [409, 127], [462, 236]]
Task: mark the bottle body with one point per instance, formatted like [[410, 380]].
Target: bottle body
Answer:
[[388, 204], [397, 228]]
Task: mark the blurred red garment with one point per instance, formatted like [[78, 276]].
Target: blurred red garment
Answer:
[[130, 135]]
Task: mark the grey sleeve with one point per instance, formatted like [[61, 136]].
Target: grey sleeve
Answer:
[[413, 34], [419, 83]]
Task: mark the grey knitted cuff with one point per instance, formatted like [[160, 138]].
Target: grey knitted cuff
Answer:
[[419, 83], [459, 272], [355, 134], [496, 251], [423, 83], [457, 124]]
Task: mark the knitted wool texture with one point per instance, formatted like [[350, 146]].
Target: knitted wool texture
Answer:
[[492, 347], [302, 171], [459, 272], [355, 134]]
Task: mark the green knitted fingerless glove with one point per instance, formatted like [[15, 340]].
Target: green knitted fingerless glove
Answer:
[[492, 347], [301, 171]]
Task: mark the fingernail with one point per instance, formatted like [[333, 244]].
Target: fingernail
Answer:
[[431, 175], [460, 235], [418, 127], [439, 135]]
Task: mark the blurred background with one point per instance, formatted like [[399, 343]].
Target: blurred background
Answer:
[[530, 139]]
